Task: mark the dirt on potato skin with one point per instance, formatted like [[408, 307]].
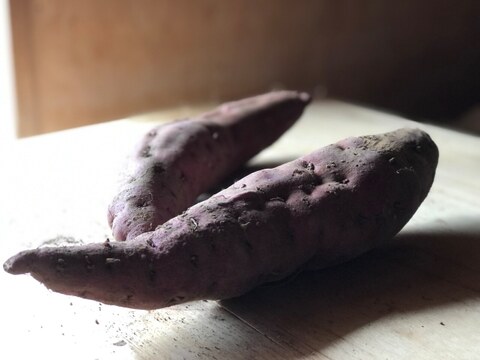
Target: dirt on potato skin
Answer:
[[324, 208]]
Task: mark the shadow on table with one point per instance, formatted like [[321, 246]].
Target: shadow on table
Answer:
[[418, 271]]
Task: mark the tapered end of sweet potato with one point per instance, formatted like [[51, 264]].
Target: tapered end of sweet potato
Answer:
[[20, 263], [125, 274], [74, 270], [302, 97]]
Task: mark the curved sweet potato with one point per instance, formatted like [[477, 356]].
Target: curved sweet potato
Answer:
[[176, 162], [324, 208]]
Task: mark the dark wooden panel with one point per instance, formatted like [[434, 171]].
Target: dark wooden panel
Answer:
[[81, 62]]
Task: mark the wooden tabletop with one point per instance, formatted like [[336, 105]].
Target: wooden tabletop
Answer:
[[417, 298]]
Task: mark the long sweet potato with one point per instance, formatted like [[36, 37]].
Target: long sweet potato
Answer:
[[322, 209], [176, 162]]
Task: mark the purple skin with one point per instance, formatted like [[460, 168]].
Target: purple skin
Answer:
[[176, 162], [316, 211]]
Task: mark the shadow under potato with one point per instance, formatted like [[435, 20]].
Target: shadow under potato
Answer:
[[415, 272]]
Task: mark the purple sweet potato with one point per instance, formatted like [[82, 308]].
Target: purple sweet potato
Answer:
[[319, 210], [176, 162]]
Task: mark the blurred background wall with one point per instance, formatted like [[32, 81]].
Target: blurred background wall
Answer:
[[82, 62]]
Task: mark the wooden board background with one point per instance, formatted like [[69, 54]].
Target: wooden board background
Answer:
[[81, 62]]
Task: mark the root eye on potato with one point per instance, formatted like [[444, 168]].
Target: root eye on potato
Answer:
[[246, 235]]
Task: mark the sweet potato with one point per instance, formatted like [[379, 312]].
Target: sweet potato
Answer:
[[316, 211], [176, 162]]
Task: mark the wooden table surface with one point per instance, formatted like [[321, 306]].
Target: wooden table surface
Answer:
[[417, 298]]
